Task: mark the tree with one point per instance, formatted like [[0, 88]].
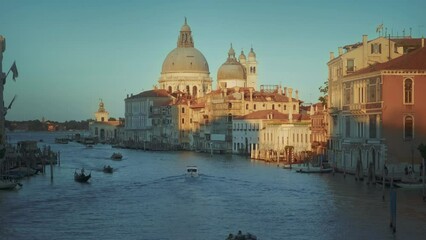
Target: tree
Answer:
[[324, 90]]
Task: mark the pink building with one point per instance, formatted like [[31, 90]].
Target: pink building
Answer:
[[384, 114]]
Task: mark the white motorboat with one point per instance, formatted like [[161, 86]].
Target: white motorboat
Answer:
[[191, 171], [8, 184], [409, 185], [323, 168]]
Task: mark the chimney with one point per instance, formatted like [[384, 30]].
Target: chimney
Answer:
[[423, 42], [331, 55], [340, 51], [285, 91], [290, 94], [297, 95], [364, 40]]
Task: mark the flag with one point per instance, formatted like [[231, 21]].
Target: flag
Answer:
[[14, 70]]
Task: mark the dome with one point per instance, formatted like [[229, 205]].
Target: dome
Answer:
[[185, 59], [231, 71]]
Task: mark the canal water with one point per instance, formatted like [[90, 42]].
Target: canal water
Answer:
[[149, 197]]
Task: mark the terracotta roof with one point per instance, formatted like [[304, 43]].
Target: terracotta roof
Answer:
[[197, 105], [263, 114], [407, 41], [415, 60], [151, 93]]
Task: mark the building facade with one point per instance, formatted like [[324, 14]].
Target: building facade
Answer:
[[371, 122]]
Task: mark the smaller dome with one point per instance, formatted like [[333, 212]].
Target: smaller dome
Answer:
[[231, 69]]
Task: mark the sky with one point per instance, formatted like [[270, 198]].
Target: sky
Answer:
[[71, 54]]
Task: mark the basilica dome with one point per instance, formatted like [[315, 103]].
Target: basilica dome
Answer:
[[231, 69], [185, 59]]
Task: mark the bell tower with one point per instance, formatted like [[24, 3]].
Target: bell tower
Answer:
[[251, 66]]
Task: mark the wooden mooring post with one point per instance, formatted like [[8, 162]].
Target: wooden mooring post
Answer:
[[51, 170]]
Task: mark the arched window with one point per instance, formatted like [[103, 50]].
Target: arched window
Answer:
[[294, 107], [170, 89], [229, 105], [408, 127], [285, 107], [408, 91], [247, 106], [183, 110], [254, 106], [273, 106], [229, 118], [187, 89], [194, 91], [254, 69]]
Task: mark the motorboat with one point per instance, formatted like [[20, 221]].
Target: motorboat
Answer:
[[191, 171], [82, 177], [322, 168], [108, 169], [116, 156], [409, 185], [8, 184]]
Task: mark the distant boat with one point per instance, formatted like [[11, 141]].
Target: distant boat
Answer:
[[8, 184], [323, 168], [81, 177], [108, 169], [191, 171], [116, 156], [411, 185]]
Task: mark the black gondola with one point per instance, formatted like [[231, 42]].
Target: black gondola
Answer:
[[108, 169], [81, 177]]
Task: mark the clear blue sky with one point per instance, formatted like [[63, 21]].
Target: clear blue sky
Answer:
[[72, 53]]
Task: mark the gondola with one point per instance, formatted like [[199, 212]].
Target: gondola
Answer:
[[108, 169], [81, 177]]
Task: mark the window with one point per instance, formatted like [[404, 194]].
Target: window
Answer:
[[254, 106], [229, 118], [372, 126], [294, 107], [229, 105], [347, 93], [408, 91], [408, 127], [273, 106], [350, 66], [247, 106], [348, 126], [183, 120], [285, 107], [371, 95], [183, 110], [376, 48]]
